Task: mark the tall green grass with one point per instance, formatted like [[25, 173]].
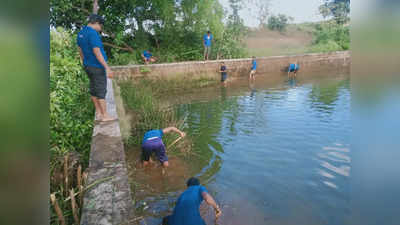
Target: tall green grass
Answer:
[[141, 100]]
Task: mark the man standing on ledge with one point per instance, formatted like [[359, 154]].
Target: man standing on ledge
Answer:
[[94, 60], [207, 39]]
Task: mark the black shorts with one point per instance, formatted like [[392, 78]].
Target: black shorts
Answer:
[[224, 77], [98, 81]]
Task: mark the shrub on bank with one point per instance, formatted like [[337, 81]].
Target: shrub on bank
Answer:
[[71, 110]]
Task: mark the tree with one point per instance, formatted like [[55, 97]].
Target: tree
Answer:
[[278, 22], [339, 10]]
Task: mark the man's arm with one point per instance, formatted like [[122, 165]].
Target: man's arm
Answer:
[[210, 201], [174, 129], [80, 54], [103, 62]]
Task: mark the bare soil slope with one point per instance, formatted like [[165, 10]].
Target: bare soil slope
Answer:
[[294, 40]]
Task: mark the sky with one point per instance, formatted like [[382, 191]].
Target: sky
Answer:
[[300, 10]]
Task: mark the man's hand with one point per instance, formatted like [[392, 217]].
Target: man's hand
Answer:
[[183, 134], [109, 72]]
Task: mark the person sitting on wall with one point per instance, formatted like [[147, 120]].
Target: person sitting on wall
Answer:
[[224, 76], [186, 211], [293, 67], [148, 57], [253, 68], [152, 142]]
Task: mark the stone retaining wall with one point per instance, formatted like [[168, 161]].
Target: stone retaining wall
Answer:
[[110, 201], [236, 67]]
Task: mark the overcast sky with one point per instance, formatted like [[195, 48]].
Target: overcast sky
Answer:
[[300, 10]]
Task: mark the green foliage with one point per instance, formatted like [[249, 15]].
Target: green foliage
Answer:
[[71, 112], [330, 37], [339, 10], [278, 22], [171, 30]]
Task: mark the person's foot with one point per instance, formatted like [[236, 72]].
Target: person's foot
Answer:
[[107, 118]]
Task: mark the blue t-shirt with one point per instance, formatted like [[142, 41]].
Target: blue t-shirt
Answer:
[[293, 67], [207, 40], [147, 54], [223, 68], [186, 211], [87, 39], [152, 134], [254, 67]]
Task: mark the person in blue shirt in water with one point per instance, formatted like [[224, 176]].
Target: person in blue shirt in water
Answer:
[[253, 68], [207, 40], [224, 76], [148, 57], [152, 142], [186, 211], [293, 67]]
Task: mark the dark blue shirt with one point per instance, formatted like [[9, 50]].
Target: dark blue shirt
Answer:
[[147, 54], [186, 211], [207, 40], [223, 68], [87, 39], [152, 134], [254, 67]]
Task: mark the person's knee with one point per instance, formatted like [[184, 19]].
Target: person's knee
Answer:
[[165, 164]]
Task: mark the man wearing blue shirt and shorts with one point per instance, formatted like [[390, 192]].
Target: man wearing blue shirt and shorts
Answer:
[[293, 67], [207, 39], [253, 68], [186, 211], [152, 143], [94, 60]]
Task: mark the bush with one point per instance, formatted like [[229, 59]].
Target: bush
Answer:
[[71, 110], [330, 37]]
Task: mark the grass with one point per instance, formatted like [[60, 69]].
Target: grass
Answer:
[[140, 98]]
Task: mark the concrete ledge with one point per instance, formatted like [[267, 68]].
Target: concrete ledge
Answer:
[[109, 202], [236, 67]]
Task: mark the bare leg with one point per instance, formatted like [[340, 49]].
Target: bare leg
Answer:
[[103, 107], [97, 107], [145, 163]]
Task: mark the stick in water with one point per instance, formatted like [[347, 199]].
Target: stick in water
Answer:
[[178, 139]]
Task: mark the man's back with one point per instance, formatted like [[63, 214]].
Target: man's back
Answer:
[[87, 39], [186, 210]]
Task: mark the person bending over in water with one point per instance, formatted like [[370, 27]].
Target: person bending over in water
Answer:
[[253, 68], [152, 142], [293, 67], [186, 211]]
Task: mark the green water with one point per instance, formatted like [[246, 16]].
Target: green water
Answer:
[[275, 151]]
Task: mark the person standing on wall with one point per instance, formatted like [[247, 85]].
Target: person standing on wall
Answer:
[[207, 40], [94, 60]]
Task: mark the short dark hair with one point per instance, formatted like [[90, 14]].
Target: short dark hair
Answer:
[[193, 182], [208, 32], [94, 18]]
